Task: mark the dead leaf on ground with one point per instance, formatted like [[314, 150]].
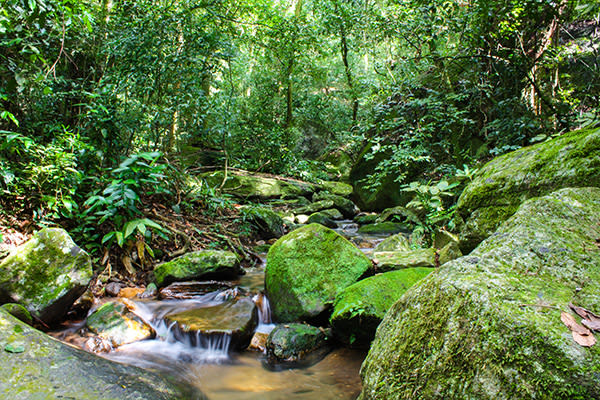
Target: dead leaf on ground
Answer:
[[581, 334], [590, 320], [127, 263]]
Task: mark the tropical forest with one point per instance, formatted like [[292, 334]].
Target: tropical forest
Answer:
[[299, 199]]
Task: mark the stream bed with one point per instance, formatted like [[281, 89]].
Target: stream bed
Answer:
[[209, 364]]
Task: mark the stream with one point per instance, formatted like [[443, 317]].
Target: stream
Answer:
[[209, 364]]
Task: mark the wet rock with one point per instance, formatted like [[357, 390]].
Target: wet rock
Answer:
[[571, 160], [383, 228], [301, 219], [365, 219], [397, 242], [359, 308], [18, 311], [399, 214], [333, 213], [449, 252], [315, 207], [114, 322], [248, 185], [488, 325], [49, 369], [150, 292], [259, 342], [323, 219], [394, 260], [113, 288], [131, 292], [307, 268], [235, 319], [198, 264], [46, 274], [293, 345], [190, 290], [337, 188], [345, 206], [267, 222]]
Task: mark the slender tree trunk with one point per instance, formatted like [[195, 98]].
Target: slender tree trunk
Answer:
[[348, 71], [289, 106]]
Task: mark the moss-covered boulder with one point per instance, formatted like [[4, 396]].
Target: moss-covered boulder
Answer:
[[233, 321], [393, 260], [345, 206], [294, 345], [323, 219], [315, 207], [386, 194], [449, 252], [364, 219], [488, 325], [333, 213], [397, 242], [205, 264], [307, 268], [36, 366], [383, 228], [244, 184], [337, 188], [572, 160], [46, 274], [398, 214], [359, 308], [267, 222], [114, 322]]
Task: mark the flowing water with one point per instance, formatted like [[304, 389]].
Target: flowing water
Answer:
[[209, 364]]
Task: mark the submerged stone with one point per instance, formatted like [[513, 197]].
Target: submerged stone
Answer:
[[488, 325], [49, 369], [114, 322], [393, 260], [235, 320], [307, 268], [571, 160], [198, 264], [359, 308], [293, 345], [46, 274]]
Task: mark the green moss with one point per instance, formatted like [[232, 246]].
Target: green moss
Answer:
[[345, 206], [337, 188], [18, 311], [46, 274], [247, 185], [572, 160], [307, 268], [383, 228], [198, 264], [115, 323], [359, 308], [323, 219], [393, 260], [48, 369], [315, 207], [268, 223], [487, 326], [366, 219], [293, 342]]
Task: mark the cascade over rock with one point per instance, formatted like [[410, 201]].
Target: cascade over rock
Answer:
[[35, 366], [46, 274], [488, 325], [307, 268], [571, 160]]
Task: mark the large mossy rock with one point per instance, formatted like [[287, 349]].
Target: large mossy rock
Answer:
[[307, 268], [387, 194], [338, 188], [397, 242], [572, 160], [359, 308], [488, 325], [267, 222], [296, 345], [383, 228], [114, 322], [344, 205], [234, 320], [46, 274], [258, 186], [205, 264], [323, 219], [36, 366]]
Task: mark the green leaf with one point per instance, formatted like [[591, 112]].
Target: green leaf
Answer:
[[108, 236], [119, 236], [17, 348], [130, 227]]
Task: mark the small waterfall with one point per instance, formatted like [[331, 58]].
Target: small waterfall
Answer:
[[265, 323]]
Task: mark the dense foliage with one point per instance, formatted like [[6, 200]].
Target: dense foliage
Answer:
[[99, 100]]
